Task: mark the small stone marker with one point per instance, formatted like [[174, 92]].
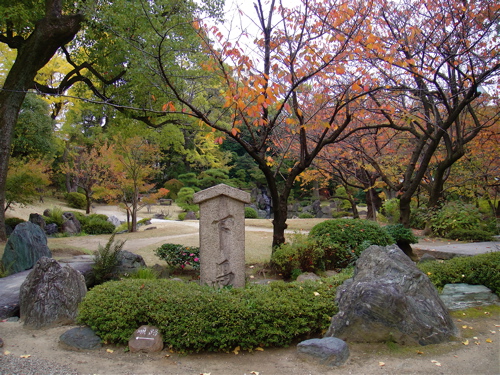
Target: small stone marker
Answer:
[[147, 339], [222, 235]]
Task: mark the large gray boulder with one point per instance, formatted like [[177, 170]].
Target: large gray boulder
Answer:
[[71, 224], [50, 295], [38, 220], [25, 246], [129, 262], [390, 299]]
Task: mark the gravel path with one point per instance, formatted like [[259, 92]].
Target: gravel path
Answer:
[[11, 365]]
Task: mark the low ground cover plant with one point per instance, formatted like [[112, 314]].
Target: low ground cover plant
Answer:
[[195, 318], [482, 269]]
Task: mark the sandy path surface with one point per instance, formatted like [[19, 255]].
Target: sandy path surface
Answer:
[[454, 358]]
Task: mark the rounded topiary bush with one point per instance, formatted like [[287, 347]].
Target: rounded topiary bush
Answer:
[[96, 225], [250, 213], [343, 240], [13, 221], [470, 235], [256, 316], [76, 200]]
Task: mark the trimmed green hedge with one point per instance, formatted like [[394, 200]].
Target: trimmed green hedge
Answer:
[[482, 269], [195, 318], [343, 240]]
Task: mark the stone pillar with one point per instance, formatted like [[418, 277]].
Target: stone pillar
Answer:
[[222, 235]]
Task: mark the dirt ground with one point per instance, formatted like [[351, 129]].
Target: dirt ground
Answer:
[[479, 330]]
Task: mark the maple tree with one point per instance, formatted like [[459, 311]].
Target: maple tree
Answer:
[[436, 67], [90, 168], [294, 96], [133, 164]]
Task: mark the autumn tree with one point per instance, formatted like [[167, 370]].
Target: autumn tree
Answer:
[[437, 67], [294, 95], [26, 181], [90, 168], [134, 165]]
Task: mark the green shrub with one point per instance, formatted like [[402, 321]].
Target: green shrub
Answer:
[[419, 217], [194, 318], [95, 225], [143, 273], [399, 233], [455, 215], [340, 214], [306, 215], [250, 213], [106, 260], [301, 254], [390, 210], [55, 216], [185, 199], [470, 235], [13, 221], [182, 216], [76, 200], [482, 269], [179, 256], [173, 186], [344, 239]]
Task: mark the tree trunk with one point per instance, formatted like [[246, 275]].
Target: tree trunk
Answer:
[[34, 53], [405, 210], [279, 222], [87, 196]]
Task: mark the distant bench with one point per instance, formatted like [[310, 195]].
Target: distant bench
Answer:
[[165, 202]]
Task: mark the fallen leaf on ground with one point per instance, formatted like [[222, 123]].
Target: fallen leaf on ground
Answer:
[[25, 356], [316, 293], [205, 373], [475, 338], [6, 352], [419, 352], [254, 372], [236, 350], [489, 340], [466, 342], [464, 327], [109, 350], [381, 364], [436, 362], [259, 349]]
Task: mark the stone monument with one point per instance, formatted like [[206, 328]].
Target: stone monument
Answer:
[[222, 235]]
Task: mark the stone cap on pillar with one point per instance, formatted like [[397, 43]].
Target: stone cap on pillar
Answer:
[[221, 189]]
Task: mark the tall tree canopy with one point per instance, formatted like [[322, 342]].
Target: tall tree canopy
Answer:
[[38, 29]]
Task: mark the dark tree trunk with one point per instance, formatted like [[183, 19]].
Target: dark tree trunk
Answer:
[[405, 210], [50, 33], [279, 222]]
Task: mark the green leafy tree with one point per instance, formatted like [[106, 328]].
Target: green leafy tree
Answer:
[[34, 133], [26, 181]]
